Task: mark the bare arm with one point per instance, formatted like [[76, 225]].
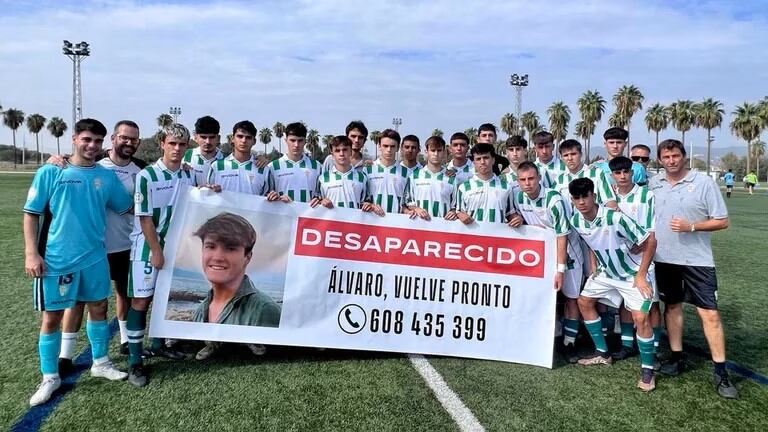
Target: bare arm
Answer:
[[33, 262], [150, 236]]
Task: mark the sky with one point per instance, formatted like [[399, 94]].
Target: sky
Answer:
[[435, 64]]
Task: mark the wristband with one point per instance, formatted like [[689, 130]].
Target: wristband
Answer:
[[561, 268]]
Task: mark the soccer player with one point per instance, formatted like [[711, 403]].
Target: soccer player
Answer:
[[571, 156], [294, 175], [486, 134], [728, 178], [615, 141], [636, 202], [409, 153], [357, 134], [387, 180], [750, 180], [157, 189], [621, 275], [550, 166], [485, 197], [343, 186], [545, 207], [207, 151], [431, 192], [459, 165], [688, 207], [66, 254], [238, 171]]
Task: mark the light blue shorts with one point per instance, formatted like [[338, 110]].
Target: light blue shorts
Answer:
[[54, 293]]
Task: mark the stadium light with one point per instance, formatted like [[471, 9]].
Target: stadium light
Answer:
[[76, 52], [175, 112], [519, 82]]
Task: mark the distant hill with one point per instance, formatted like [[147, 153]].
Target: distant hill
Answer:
[[700, 152]]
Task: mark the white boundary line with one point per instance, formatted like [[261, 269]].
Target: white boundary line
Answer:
[[447, 397]]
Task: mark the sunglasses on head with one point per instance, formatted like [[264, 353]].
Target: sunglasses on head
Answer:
[[641, 158]]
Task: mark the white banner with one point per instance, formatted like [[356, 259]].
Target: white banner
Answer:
[[342, 278]]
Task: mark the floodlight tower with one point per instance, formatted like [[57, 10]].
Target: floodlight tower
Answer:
[[396, 122], [519, 82], [76, 52], [175, 112]]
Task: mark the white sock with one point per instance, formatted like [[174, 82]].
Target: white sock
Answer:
[[123, 331], [50, 376], [101, 360], [68, 341]]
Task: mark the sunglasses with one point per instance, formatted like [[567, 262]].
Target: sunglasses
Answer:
[[641, 158]]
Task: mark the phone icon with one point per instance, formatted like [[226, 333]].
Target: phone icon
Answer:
[[352, 319], [348, 316]]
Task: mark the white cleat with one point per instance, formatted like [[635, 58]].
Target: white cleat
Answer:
[[44, 391], [109, 371]]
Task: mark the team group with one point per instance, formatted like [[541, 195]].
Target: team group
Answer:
[[624, 240]]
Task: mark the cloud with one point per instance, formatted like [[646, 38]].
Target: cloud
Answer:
[[436, 64]]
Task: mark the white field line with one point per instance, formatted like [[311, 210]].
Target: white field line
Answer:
[[447, 397]]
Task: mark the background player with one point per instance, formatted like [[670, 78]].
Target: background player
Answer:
[[431, 192]]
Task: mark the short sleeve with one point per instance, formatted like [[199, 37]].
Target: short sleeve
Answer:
[[142, 197], [714, 200], [639, 175], [118, 200], [40, 190], [629, 229], [559, 217], [605, 192]]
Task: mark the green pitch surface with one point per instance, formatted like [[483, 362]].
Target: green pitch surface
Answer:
[[305, 389]]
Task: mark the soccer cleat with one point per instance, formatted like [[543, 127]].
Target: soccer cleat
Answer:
[[207, 351], [124, 348], [166, 353], [647, 380], [66, 367], [725, 387], [137, 375], [598, 358], [570, 353], [44, 391], [624, 353], [672, 367], [170, 343], [107, 370], [257, 349]]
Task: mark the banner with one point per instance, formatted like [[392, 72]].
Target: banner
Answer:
[[341, 278]]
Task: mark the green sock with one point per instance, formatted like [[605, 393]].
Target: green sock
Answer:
[[647, 352], [157, 343], [627, 334], [570, 331], [657, 331], [136, 322], [595, 330]]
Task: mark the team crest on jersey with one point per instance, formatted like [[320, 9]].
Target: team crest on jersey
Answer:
[[97, 183], [138, 197]]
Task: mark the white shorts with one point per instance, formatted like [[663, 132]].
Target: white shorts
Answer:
[[612, 292], [141, 279], [572, 281]]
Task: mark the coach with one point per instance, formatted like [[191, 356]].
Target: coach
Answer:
[[688, 207]]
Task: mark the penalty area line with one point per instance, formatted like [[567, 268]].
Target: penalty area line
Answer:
[[447, 397]]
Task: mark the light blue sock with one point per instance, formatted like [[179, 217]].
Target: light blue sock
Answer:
[[98, 336], [48, 346]]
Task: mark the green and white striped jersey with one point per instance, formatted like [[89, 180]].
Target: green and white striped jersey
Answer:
[[412, 170], [485, 200], [157, 189], [328, 164], [548, 210], [297, 179], [344, 189], [638, 205], [511, 177], [554, 167], [603, 190], [435, 192], [610, 236], [200, 165], [464, 172], [244, 177], [386, 185]]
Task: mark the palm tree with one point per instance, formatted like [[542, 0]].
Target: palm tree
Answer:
[[617, 120], [164, 120], [747, 124], [57, 127], [591, 108], [35, 123], [374, 136], [265, 137], [437, 133], [326, 140], [313, 142], [559, 117], [530, 122], [682, 116], [471, 133], [758, 149], [656, 120], [13, 118], [509, 124], [279, 130], [709, 115], [628, 100]]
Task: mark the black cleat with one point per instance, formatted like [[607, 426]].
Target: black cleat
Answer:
[[66, 367], [124, 349], [725, 387], [624, 353], [166, 353], [570, 354], [672, 367], [137, 375]]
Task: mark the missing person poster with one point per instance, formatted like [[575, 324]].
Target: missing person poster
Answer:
[[241, 269]]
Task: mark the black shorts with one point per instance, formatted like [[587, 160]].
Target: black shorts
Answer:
[[749, 185], [729, 187], [119, 267], [689, 284]]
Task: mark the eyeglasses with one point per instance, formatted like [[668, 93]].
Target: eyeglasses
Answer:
[[641, 158], [128, 139]]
